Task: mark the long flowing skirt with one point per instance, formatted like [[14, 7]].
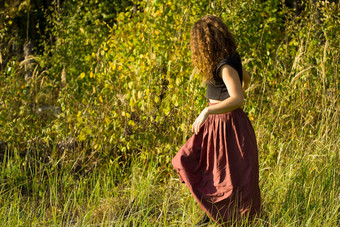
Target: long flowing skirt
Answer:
[[220, 167]]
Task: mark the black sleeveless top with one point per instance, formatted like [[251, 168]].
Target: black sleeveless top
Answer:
[[219, 91]]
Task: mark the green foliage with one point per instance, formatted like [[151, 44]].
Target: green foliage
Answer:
[[123, 95]]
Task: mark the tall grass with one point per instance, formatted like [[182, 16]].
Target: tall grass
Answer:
[[300, 190], [292, 103]]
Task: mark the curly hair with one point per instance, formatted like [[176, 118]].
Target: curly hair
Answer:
[[210, 42]]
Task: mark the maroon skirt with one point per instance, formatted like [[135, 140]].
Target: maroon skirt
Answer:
[[220, 167]]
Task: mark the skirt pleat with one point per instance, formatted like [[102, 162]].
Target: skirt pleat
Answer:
[[220, 166]]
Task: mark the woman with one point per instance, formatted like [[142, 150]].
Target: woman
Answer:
[[219, 163]]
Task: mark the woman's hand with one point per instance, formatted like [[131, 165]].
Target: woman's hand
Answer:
[[199, 121]]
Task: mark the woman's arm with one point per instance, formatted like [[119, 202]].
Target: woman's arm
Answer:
[[232, 81]]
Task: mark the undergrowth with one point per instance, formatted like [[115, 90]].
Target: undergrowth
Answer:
[[88, 139]]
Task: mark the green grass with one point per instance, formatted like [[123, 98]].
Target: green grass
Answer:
[[300, 189], [120, 174]]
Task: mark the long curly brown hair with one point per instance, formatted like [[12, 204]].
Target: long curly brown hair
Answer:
[[210, 42]]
